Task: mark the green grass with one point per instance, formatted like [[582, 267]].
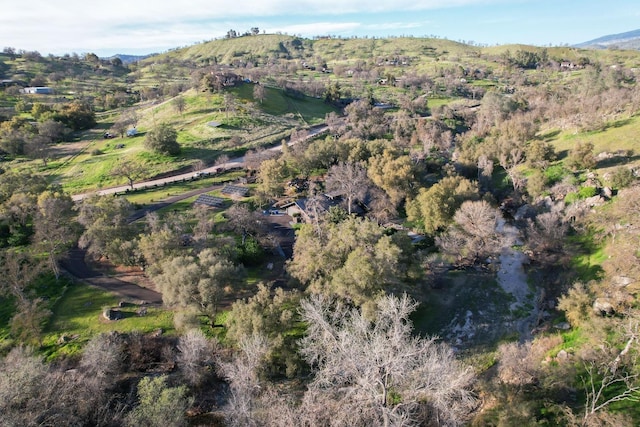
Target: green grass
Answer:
[[79, 314], [461, 291]]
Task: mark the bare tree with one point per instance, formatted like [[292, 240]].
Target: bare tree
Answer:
[[244, 382], [473, 235], [612, 380], [348, 180], [103, 356], [244, 221], [378, 371], [129, 170], [259, 92], [195, 353]]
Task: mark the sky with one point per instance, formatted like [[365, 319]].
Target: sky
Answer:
[[108, 27]]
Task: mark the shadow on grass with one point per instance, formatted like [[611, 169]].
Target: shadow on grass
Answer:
[[617, 161]]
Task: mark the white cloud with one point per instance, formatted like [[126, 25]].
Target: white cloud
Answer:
[[318, 28], [59, 26]]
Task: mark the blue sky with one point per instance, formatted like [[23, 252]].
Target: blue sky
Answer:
[[138, 27]]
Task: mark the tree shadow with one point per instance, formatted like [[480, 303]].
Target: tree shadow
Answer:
[[617, 160]]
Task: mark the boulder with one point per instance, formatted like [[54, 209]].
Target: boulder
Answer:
[[594, 201], [603, 307], [621, 281], [564, 326], [112, 314]]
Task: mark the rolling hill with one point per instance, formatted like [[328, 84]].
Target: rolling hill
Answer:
[[627, 40]]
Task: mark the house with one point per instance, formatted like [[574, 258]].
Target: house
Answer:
[[309, 209], [38, 90]]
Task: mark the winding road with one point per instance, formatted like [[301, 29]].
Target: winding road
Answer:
[[75, 263]]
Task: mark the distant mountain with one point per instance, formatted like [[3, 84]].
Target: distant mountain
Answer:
[[628, 40], [128, 59]]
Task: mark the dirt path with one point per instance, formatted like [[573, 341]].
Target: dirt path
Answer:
[[76, 266]]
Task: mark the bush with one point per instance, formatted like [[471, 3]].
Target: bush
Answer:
[[555, 174], [586, 192], [251, 252], [96, 152], [163, 139], [621, 177]]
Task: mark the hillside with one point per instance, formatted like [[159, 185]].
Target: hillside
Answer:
[[626, 40], [355, 231]]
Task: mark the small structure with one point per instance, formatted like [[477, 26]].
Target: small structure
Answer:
[[308, 209], [38, 90]]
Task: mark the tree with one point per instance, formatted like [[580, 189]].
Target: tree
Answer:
[[230, 104], [195, 354], [76, 115], [434, 208], [473, 235], [103, 356], [188, 282], [379, 372], [348, 180], [55, 226], [163, 139], [159, 405], [333, 93], [245, 221], [259, 92], [581, 156], [272, 176], [106, 226], [394, 174], [353, 259], [242, 373], [128, 169], [38, 147], [179, 104], [129, 118], [52, 131], [271, 314]]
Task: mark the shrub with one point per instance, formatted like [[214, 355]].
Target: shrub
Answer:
[[555, 174], [163, 139], [586, 192], [621, 177]]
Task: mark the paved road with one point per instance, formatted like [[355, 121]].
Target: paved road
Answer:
[[231, 164]]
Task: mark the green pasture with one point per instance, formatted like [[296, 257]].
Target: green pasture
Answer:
[[78, 316]]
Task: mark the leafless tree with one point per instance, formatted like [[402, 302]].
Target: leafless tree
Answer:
[[612, 380], [195, 353], [378, 371], [129, 170], [473, 235], [259, 92], [349, 180], [103, 356], [244, 382]]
